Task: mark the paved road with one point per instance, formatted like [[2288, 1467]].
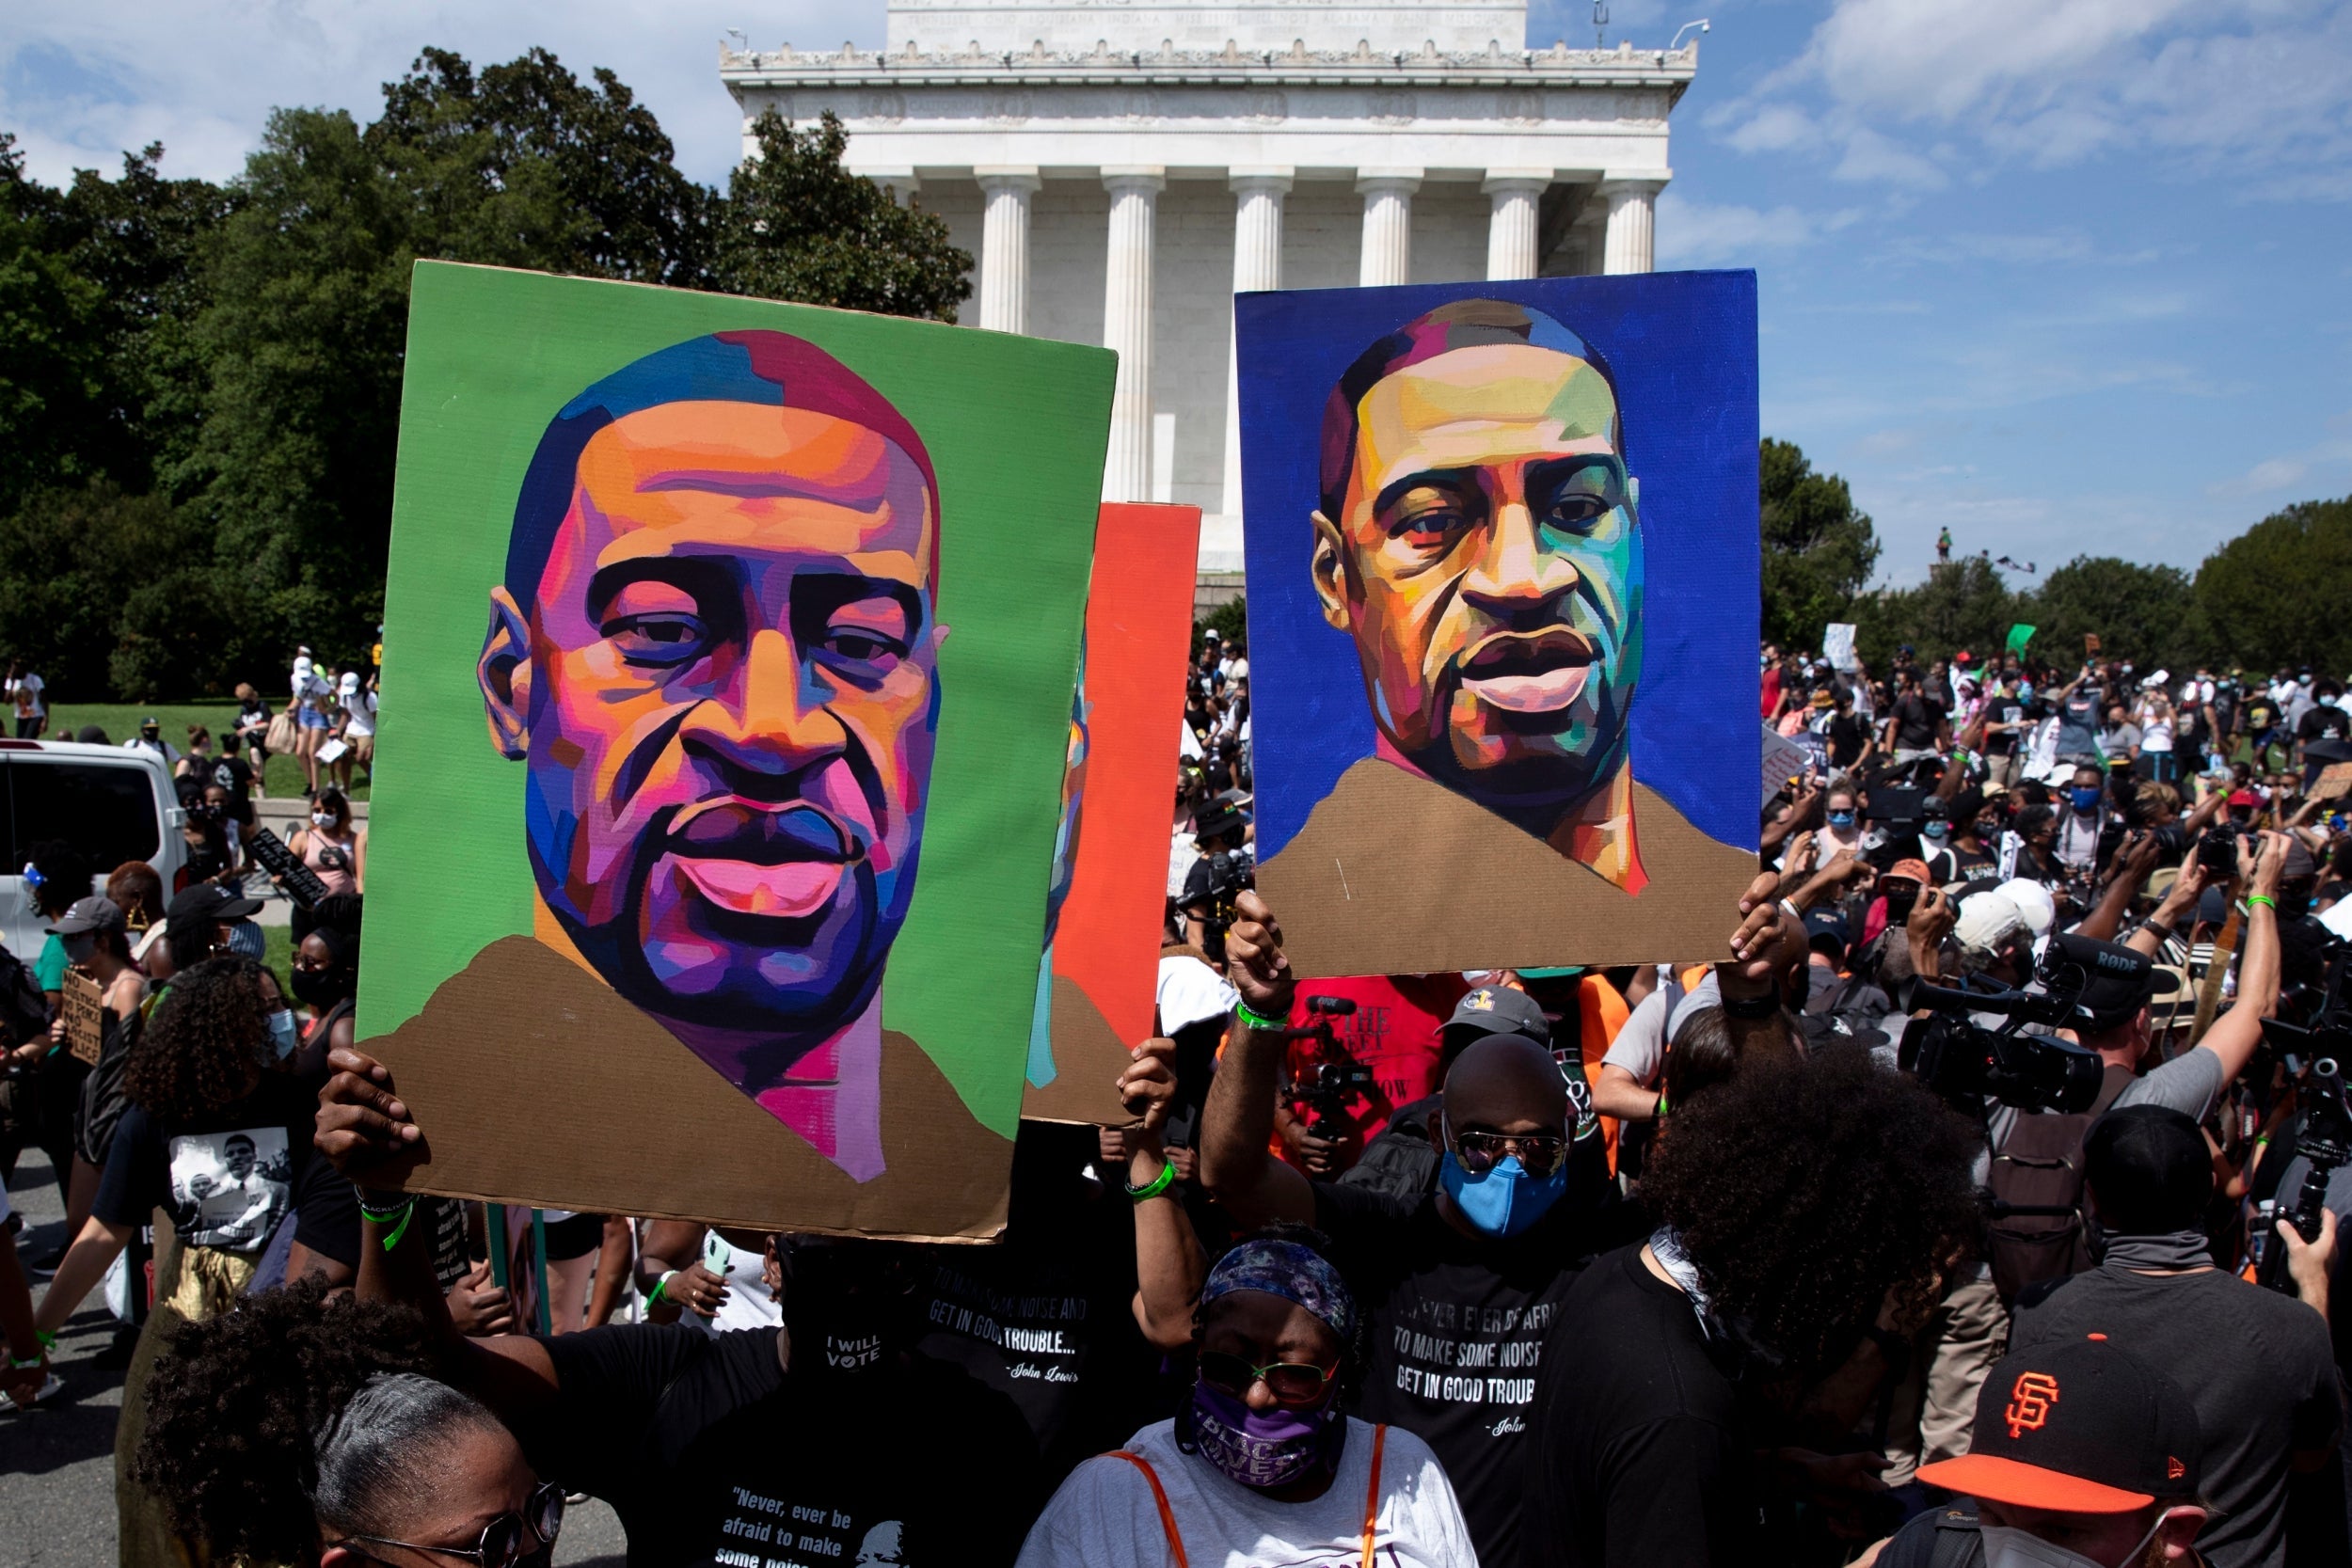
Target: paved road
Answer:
[[57, 1462]]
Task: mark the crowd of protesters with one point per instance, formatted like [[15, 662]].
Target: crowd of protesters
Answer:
[[1939, 1219]]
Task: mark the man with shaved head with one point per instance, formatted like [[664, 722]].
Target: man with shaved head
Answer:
[[1478, 539], [715, 655]]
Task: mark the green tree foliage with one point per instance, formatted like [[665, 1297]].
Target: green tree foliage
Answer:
[[1964, 605], [1819, 547], [52, 351], [2147, 614], [2277, 594], [797, 225]]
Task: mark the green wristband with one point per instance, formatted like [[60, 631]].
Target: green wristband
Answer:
[[1157, 1185], [2264, 899], [48, 1340], [407, 1214], [1256, 1021], [661, 1289]]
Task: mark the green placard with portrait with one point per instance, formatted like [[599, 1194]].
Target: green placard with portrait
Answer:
[[728, 657]]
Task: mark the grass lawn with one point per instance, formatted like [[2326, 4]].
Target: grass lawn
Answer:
[[120, 720], [280, 954]]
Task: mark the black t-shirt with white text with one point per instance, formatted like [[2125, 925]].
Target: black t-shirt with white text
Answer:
[[2324, 723], [1637, 1454], [2009, 712], [714, 1457], [1456, 1326]]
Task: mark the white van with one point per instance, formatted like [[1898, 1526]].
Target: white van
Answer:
[[112, 805]]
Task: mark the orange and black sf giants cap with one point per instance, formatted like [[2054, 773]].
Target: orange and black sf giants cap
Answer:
[[2078, 1426]]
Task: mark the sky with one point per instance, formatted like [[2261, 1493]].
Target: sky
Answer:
[[2065, 276]]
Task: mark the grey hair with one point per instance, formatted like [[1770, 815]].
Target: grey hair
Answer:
[[371, 1454]]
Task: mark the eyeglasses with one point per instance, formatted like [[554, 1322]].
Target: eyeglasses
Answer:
[[1293, 1382], [1539, 1154], [501, 1546]]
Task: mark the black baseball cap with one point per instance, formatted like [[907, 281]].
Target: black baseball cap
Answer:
[[95, 913], [2117, 980], [2078, 1426], [211, 901], [1825, 928], [1497, 1010]]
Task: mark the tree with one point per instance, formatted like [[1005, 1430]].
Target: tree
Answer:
[[2276, 594], [2147, 614], [526, 166], [1819, 549], [53, 350], [796, 225], [1964, 605]]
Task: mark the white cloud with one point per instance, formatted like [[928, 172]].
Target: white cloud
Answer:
[[1913, 93], [81, 83], [1700, 234]]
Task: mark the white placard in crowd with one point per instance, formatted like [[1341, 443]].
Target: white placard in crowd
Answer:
[[1784, 759], [1837, 647]]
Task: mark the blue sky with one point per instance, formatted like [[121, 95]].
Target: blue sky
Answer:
[[2066, 277]]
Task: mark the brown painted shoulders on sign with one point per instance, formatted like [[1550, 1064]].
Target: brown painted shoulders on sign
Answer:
[[632, 1100], [1394, 873], [1089, 1056]]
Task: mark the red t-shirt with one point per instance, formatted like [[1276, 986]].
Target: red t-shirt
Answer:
[[1393, 1031]]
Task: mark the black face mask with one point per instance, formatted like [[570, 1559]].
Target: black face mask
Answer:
[[320, 989], [849, 1307]]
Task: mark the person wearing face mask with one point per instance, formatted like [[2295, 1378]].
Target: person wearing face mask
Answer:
[[1467, 1276], [216, 1135], [326, 979], [97, 946], [2080, 821], [1263, 1465], [1844, 830], [333, 848], [312, 1431], [2084, 1455], [827, 1438]]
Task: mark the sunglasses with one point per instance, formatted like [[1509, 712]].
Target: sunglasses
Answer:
[[1539, 1154], [1293, 1382], [542, 1517]]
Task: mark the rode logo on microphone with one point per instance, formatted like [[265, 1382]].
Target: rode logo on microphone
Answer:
[[2030, 1401]]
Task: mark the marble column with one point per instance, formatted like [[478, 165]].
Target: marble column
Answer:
[[1387, 194], [1257, 264], [1511, 230], [1127, 328], [1005, 246], [1628, 245]]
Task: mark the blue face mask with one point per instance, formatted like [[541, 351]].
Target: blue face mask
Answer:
[[2085, 799], [1504, 1201], [1936, 830], [1841, 820], [282, 1035]]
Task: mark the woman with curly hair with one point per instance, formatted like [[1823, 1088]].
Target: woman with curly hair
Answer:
[[1797, 1204], [312, 1431], [218, 1135]]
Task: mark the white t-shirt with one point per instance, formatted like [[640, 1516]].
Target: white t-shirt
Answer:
[[1106, 1516], [1639, 1046], [26, 691], [359, 712], [1189, 991], [750, 1302]]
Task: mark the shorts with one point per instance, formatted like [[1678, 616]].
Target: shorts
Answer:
[[362, 749], [576, 1236], [312, 718]]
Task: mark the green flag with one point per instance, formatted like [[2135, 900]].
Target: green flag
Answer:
[[2019, 634]]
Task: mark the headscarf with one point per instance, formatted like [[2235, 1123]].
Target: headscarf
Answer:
[[1290, 1270]]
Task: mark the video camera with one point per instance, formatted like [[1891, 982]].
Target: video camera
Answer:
[[2324, 1133], [1961, 1060], [1324, 1086]]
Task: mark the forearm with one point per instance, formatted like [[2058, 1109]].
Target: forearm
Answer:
[[1170, 1265], [510, 1373], [2235, 1034], [86, 1264], [2106, 916], [1618, 1093], [2149, 939], [1236, 1123]]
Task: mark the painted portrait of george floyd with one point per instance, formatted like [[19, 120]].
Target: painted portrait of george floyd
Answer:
[[729, 650], [1503, 551]]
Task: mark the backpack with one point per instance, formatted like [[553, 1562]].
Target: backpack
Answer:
[[2039, 1232], [24, 1008]]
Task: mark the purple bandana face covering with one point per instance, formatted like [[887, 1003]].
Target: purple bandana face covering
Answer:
[[1267, 1448]]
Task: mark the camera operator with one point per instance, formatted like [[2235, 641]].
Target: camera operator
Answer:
[[1223, 870], [2255, 1363]]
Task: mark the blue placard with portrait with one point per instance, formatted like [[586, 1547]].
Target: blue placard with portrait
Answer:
[[1503, 555]]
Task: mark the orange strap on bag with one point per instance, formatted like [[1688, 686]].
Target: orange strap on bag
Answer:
[[1167, 1514], [1159, 1495]]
